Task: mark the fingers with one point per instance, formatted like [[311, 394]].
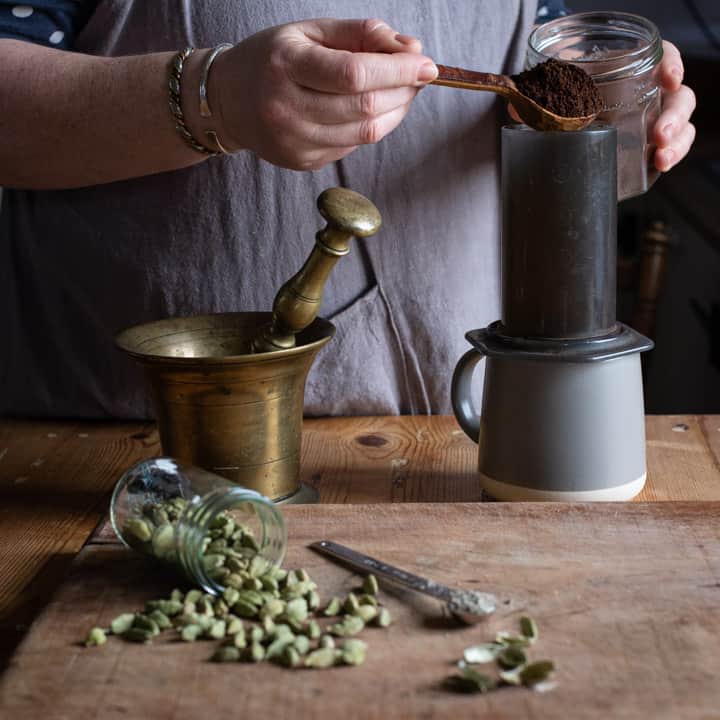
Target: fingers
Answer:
[[362, 132], [678, 106], [339, 71], [332, 109], [371, 35], [671, 67], [666, 157]]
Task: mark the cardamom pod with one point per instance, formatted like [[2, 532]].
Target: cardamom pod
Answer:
[[332, 608], [370, 585], [122, 623], [511, 657], [483, 653], [537, 672], [528, 627], [324, 657], [349, 625], [95, 637], [226, 653], [353, 651]]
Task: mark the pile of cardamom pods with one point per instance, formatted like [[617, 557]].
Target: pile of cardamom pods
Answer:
[[264, 613], [509, 653]]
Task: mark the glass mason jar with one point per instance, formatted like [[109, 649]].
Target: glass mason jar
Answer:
[[192, 518], [621, 52]]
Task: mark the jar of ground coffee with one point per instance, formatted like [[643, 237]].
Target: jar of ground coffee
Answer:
[[621, 52]]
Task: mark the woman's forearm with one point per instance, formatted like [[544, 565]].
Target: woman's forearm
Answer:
[[69, 120]]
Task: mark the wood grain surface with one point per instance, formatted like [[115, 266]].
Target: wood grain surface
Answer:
[[626, 597], [56, 477]]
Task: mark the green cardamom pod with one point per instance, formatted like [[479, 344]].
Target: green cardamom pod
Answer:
[[366, 612], [190, 633], [160, 619], [353, 651], [302, 644], [95, 637], [138, 635], [370, 585], [122, 623], [146, 623], [226, 653], [137, 530], [313, 600], [537, 672], [483, 653], [383, 618], [324, 657], [511, 657], [327, 641], [216, 631], [528, 628], [297, 609], [193, 596], [351, 603], [234, 625], [332, 608], [239, 639], [313, 630], [349, 625], [289, 657], [470, 680], [366, 599]]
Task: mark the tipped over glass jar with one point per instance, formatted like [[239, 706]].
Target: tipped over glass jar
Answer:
[[621, 52], [209, 528]]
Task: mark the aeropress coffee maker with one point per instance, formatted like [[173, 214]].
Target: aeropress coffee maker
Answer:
[[562, 413]]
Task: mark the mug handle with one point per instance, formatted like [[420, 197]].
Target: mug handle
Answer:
[[462, 403]]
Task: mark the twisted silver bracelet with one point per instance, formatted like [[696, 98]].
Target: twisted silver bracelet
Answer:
[[176, 70]]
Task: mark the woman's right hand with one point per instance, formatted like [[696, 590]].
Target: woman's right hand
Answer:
[[306, 94]]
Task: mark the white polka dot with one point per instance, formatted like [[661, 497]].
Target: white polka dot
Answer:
[[542, 12], [22, 11], [57, 37]]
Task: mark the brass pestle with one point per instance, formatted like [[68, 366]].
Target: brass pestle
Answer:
[[297, 302]]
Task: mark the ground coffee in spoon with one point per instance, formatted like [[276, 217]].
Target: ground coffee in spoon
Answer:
[[561, 88]]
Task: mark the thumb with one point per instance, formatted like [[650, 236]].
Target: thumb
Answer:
[[372, 35]]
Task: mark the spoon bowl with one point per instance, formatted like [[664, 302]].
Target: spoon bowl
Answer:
[[532, 114]]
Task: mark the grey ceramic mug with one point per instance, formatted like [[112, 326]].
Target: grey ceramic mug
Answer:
[[554, 430]]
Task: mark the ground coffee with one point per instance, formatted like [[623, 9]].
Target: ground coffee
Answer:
[[560, 87]]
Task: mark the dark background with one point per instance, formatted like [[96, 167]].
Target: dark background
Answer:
[[682, 373]]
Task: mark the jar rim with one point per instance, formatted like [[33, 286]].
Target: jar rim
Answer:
[[195, 520], [632, 62]]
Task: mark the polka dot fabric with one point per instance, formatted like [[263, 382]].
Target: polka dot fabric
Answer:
[[54, 23]]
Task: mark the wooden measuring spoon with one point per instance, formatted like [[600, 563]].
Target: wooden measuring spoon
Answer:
[[529, 111]]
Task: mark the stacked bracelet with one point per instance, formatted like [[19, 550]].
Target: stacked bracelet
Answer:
[[176, 70]]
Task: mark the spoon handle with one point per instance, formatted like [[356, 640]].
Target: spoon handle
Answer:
[[473, 80], [381, 569]]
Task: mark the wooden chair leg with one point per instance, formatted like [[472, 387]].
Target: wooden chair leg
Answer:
[[651, 272]]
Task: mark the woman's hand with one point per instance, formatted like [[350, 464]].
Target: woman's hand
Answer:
[[306, 94], [673, 132]]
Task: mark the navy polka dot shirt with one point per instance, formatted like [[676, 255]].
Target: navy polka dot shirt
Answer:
[[55, 23]]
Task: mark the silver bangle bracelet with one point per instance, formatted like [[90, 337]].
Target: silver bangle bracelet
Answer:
[[209, 60], [205, 110]]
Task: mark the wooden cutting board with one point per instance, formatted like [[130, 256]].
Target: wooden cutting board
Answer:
[[627, 599]]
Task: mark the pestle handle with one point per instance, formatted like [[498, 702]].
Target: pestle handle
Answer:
[[297, 303]]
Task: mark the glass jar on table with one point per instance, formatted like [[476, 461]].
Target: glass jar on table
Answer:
[[204, 524]]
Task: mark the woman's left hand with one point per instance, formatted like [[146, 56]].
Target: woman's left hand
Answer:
[[673, 132]]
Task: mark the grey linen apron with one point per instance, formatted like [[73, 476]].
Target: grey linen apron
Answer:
[[77, 266]]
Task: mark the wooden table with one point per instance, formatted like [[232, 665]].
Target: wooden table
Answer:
[[55, 480]]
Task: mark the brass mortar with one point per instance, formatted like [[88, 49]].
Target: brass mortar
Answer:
[[229, 388]]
